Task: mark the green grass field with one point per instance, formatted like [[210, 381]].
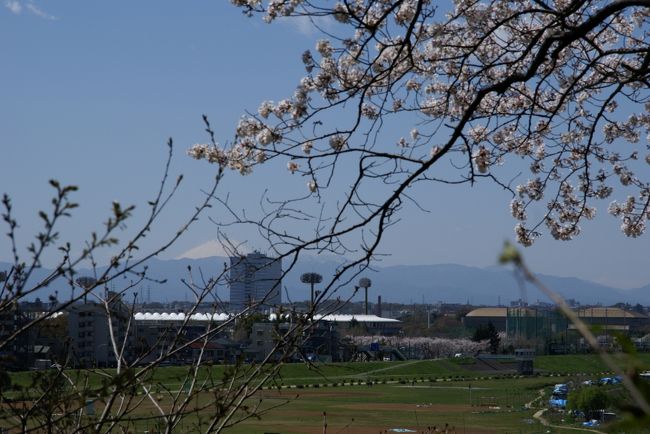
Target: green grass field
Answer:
[[410, 394], [298, 373], [364, 409]]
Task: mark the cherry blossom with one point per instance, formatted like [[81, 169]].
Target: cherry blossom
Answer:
[[494, 87], [292, 166], [429, 348]]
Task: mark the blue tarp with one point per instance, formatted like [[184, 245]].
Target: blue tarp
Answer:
[[557, 402]]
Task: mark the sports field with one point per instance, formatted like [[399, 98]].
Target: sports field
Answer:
[[422, 395], [453, 394], [488, 406]]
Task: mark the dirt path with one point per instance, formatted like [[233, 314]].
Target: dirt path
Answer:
[[540, 394], [388, 368], [326, 378], [539, 415], [446, 387]]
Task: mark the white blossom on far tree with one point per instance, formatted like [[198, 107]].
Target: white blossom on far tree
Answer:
[[429, 348]]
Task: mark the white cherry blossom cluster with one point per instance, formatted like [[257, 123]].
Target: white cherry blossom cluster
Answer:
[[634, 213], [560, 88], [337, 142], [236, 158], [524, 236], [518, 209], [292, 166], [482, 159], [534, 189]]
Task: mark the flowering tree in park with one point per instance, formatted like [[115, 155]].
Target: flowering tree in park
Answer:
[[554, 90], [476, 91]]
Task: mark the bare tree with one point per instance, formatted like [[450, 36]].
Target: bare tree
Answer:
[[123, 390]]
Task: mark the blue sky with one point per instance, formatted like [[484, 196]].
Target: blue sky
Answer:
[[90, 92]]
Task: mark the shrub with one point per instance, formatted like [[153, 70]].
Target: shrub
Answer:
[[589, 400]]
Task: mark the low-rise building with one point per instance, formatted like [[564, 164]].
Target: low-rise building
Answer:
[[482, 316], [372, 324], [179, 336]]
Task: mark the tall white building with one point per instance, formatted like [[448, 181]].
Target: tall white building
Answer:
[[255, 280]]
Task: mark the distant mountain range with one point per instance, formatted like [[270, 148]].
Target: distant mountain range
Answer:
[[402, 284]]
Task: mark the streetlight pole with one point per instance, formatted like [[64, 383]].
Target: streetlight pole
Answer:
[[311, 279], [311, 297]]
